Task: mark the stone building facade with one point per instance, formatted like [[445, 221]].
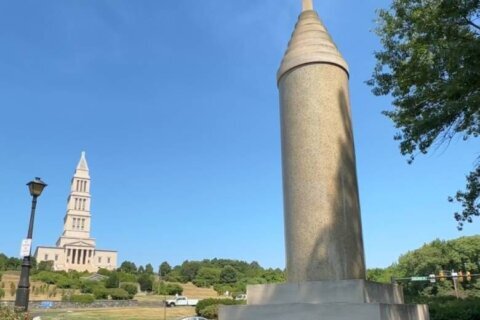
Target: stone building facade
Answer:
[[75, 249]]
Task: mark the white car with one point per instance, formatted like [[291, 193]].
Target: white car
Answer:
[[241, 297], [181, 301]]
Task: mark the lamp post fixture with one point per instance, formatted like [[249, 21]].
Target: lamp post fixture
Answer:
[[36, 187]]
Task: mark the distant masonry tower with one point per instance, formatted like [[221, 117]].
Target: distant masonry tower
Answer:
[[75, 249], [323, 230]]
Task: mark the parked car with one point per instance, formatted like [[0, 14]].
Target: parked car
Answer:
[[181, 301], [241, 297]]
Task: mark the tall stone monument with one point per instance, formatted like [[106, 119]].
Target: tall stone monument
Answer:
[[323, 231], [76, 249]]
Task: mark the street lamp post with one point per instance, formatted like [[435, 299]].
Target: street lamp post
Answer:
[[36, 187]]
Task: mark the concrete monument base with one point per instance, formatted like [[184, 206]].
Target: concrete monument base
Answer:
[[325, 300]]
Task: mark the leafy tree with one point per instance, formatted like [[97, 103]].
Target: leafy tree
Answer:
[[462, 254], [164, 269], [128, 267], [131, 288], [126, 277], [149, 269], [113, 281], [146, 282], [104, 272], [380, 275], [228, 275], [141, 269], [45, 266], [430, 66], [13, 264], [169, 288], [189, 270], [207, 276]]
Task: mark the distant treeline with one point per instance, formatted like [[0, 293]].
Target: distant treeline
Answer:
[[225, 275], [9, 263]]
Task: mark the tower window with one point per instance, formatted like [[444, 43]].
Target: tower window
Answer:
[[78, 185], [46, 257], [99, 259], [74, 223], [56, 257]]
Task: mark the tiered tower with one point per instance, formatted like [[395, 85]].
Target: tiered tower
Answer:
[[76, 249], [75, 239]]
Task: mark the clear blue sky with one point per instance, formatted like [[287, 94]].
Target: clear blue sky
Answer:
[[175, 103]]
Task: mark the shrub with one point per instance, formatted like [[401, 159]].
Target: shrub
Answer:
[[131, 288], [46, 276], [118, 294], [2, 293], [104, 272], [89, 286], [113, 280], [45, 266], [458, 309], [126, 277], [169, 289], [174, 288], [66, 283], [79, 298], [202, 304], [210, 312], [101, 293], [9, 314], [13, 289]]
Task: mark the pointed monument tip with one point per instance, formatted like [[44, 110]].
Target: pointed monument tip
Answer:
[[307, 5], [82, 164], [310, 43]]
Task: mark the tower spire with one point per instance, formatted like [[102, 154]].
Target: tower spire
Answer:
[[82, 163], [307, 5]]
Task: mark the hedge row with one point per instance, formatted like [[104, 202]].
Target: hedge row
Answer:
[[79, 298]]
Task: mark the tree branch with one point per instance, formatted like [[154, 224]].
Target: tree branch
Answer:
[[470, 22]]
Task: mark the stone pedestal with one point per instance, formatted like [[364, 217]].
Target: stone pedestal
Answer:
[[325, 300]]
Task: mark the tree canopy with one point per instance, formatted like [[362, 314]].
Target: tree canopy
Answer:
[[460, 255], [430, 65]]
